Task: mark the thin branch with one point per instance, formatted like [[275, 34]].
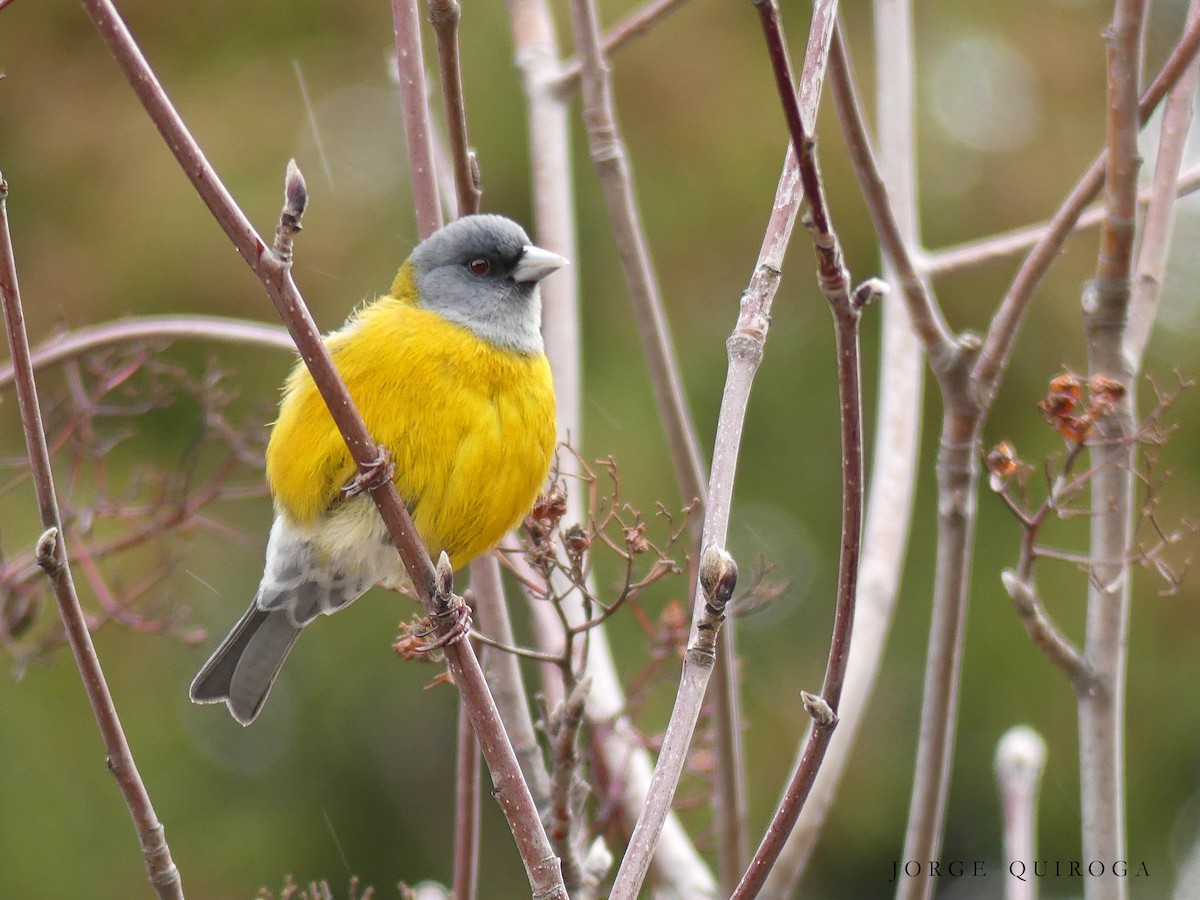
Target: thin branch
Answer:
[[1004, 325], [634, 25], [1160, 217], [893, 472], [846, 305], [52, 557], [608, 155], [445, 16], [504, 673], [930, 325], [999, 247], [73, 344], [566, 807], [466, 808], [715, 585], [410, 66], [430, 586]]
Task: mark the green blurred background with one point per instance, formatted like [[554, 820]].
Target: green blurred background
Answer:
[[349, 769]]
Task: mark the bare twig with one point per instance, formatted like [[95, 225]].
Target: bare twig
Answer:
[[565, 800], [634, 25], [608, 155], [52, 557], [504, 675], [1160, 217], [72, 344], [846, 305], [717, 579], [433, 590], [445, 16], [893, 471], [410, 66], [1020, 761], [998, 247], [466, 808], [1005, 323]]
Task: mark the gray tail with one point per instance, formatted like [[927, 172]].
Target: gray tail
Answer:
[[243, 668]]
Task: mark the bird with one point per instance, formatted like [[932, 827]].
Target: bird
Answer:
[[450, 375]]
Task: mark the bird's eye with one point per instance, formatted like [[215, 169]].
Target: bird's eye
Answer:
[[479, 266]]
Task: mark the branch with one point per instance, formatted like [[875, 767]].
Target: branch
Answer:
[[893, 472], [1160, 217], [432, 588], [1005, 323], [634, 25], [445, 16], [52, 557], [717, 579], [410, 67], [1105, 308], [930, 325], [72, 344], [676, 862], [466, 808], [608, 155], [1045, 635], [998, 247]]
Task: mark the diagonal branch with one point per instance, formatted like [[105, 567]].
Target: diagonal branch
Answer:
[[432, 587], [52, 557]]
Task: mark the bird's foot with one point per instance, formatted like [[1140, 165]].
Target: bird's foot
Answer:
[[458, 613], [372, 476]]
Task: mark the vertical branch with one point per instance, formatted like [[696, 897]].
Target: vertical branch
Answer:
[[1105, 307], [503, 672], [676, 862], [1160, 215], [893, 470], [466, 808], [52, 557], [410, 65], [445, 16], [608, 155]]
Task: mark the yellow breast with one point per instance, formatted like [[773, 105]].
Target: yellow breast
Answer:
[[470, 427]]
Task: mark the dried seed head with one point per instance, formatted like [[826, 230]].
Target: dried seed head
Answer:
[[635, 539], [550, 506], [1105, 394], [577, 541], [1002, 462]]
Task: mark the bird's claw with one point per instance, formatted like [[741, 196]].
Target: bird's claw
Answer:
[[460, 614], [375, 475]]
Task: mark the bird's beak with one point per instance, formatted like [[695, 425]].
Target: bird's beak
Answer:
[[536, 263]]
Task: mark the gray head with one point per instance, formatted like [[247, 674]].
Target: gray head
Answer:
[[483, 272]]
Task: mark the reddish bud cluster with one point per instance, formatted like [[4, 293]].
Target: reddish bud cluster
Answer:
[[1062, 401], [1002, 463]]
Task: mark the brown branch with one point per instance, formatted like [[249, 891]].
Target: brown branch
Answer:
[[466, 808], [930, 325], [434, 592], [445, 16], [52, 557], [893, 478], [566, 807], [410, 68]]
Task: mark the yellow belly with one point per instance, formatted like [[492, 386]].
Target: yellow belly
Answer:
[[470, 428]]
